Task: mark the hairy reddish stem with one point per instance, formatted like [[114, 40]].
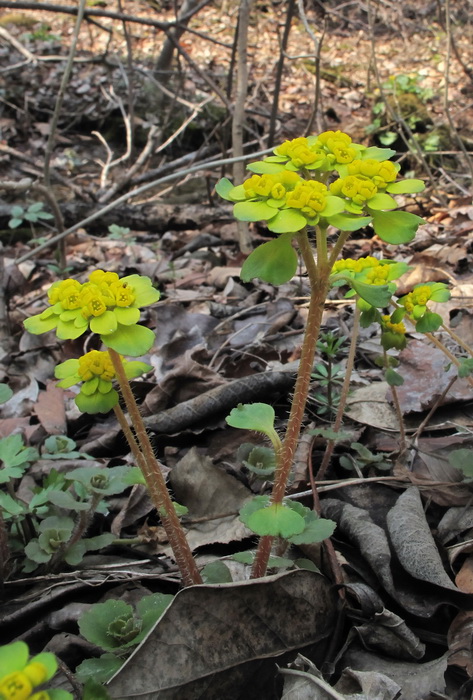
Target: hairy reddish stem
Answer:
[[154, 478], [319, 281]]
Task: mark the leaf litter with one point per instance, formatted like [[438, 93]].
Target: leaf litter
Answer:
[[217, 335]]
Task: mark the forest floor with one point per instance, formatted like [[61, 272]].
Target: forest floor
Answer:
[[401, 617]]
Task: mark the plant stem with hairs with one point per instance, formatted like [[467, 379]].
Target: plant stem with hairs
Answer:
[[156, 483]]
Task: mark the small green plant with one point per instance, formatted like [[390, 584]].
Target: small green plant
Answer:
[[110, 307], [363, 459], [33, 214], [327, 375], [116, 627], [120, 233], [20, 675]]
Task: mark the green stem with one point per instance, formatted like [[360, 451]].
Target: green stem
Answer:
[[156, 483], [319, 282], [344, 395]]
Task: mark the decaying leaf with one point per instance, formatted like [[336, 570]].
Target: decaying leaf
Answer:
[[207, 631]]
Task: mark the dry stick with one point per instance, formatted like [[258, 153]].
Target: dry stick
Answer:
[[319, 281], [397, 408], [55, 118], [156, 483], [438, 402], [238, 116], [93, 12], [279, 69], [343, 397], [397, 118], [457, 339], [318, 50], [134, 193], [446, 103], [130, 76]]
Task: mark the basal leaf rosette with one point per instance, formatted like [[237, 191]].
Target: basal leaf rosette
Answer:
[[107, 305], [415, 305], [94, 372], [369, 278], [19, 675]]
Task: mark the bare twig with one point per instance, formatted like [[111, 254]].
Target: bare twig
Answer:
[[279, 70], [238, 116], [318, 49], [134, 193], [446, 101]]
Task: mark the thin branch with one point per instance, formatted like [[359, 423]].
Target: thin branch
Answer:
[[134, 193], [279, 70]]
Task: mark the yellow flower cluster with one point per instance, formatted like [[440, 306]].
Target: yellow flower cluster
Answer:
[[96, 363], [356, 265], [338, 144], [104, 290], [398, 328], [19, 685], [309, 197], [328, 148], [299, 152], [418, 297], [274, 185], [358, 188], [381, 173]]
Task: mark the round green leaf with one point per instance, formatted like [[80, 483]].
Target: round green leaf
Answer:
[[130, 340], [223, 188], [377, 153], [406, 186], [261, 167], [253, 416], [376, 295], [277, 520], [104, 324], [274, 262], [349, 222], [97, 402], [396, 226], [429, 322], [381, 200], [333, 206], [287, 221], [253, 211], [393, 378]]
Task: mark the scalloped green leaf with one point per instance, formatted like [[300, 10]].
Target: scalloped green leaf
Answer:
[[376, 295], [274, 262], [253, 416], [101, 669], [253, 211], [429, 323], [409, 186], [315, 530], [133, 341], [349, 222], [104, 324], [95, 623], [396, 226], [277, 520], [381, 200], [287, 221]]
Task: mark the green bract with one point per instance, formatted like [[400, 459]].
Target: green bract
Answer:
[[95, 372], [107, 304], [415, 305], [19, 675]]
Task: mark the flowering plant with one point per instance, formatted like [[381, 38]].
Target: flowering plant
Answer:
[[107, 305], [20, 675], [95, 372]]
